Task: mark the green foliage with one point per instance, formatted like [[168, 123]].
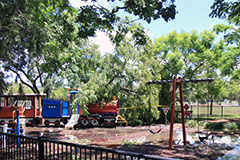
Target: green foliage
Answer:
[[133, 142], [226, 9], [96, 17], [16, 88], [20, 89], [191, 124], [190, 55], [229, 10], [215, 126], [233, 126], [34, 36], [3, 85], [60, 93]]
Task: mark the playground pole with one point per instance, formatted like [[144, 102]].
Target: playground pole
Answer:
[[172, 114], [18, 128], [182, 114]]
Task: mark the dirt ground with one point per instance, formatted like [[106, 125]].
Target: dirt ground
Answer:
[[136, 139]]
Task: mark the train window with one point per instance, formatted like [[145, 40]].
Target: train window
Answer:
[[28, 104], [37, 102], [11, 101], [2, 103], [20, 103]]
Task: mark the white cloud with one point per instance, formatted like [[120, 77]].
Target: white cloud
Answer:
[[104, 43], [78, 3]]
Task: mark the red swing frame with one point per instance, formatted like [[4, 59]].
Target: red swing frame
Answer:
[[177, 81]]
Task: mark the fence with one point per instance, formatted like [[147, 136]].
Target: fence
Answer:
[[22, 147]]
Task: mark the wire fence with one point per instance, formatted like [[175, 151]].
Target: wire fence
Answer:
[[218, 111]]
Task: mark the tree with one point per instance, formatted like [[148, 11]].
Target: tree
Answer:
[[226, 9], [123, 74], [230, 11], [3, 85], [35, 36], [37, 39], [190, 55], [99, 17]]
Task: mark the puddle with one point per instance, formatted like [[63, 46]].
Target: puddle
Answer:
[[231, 155], [194, 139], [224, 141]]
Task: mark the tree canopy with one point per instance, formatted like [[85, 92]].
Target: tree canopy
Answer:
[[35, 36], [45, 44]]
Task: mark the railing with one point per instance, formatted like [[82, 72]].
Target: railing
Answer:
[[22, 147]]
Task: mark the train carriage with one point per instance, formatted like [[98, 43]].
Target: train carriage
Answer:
[[35, 110], [29, 107]]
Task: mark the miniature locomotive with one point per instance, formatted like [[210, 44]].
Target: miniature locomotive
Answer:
[[35, 110]]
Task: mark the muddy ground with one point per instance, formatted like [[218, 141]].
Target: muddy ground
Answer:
[[137, 139]]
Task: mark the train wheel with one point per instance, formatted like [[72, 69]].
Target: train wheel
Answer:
[[36, 121], [46, 123], [2, 122], [57, 123], [64, 121], [85, 123], [30, 123], [79, 124], [75, 127], [95, 122], [10, 123]]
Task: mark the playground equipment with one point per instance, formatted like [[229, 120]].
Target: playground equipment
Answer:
[[35, 110], [177, 81], [104, 115], [203, 138], [29, 107], [121, 120], [153, 132]]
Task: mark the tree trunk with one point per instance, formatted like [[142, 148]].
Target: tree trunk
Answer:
[[48, 93], [211, 107]]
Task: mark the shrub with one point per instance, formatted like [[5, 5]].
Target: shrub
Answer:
[[191, 123], [214, 126], [232, 126]]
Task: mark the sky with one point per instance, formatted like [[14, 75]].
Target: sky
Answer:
[[192, 15]]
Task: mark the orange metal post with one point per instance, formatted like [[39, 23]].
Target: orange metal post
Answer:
[[172, 114], [5, 102], [35, 107], [40, 105]]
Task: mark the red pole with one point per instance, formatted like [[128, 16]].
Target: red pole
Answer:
[[182, 112], [172, 114]]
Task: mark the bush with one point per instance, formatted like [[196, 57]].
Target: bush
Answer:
[[233, 126], [191, 123], [214, 126]]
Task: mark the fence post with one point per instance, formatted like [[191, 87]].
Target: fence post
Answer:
[[222, 111], [40, 149]]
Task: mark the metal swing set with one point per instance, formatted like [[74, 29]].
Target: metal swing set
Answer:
[[177, 82]]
